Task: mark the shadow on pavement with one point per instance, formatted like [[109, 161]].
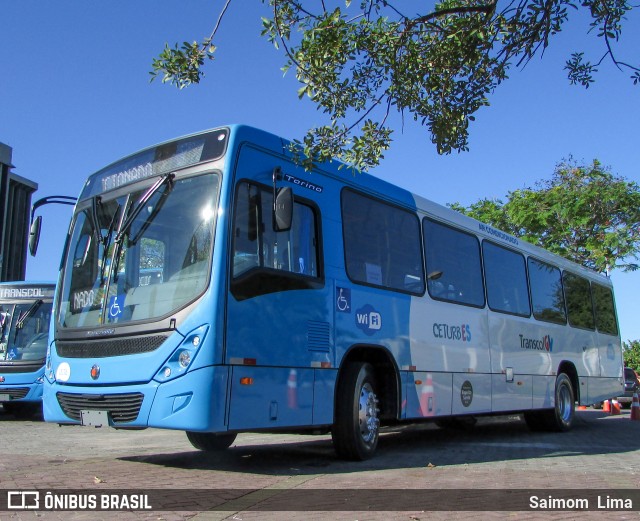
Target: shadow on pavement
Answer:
[[418, 445]]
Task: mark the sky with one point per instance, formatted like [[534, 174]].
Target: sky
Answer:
[[75, 96]]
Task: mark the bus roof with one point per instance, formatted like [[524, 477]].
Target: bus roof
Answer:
[[211, 144]]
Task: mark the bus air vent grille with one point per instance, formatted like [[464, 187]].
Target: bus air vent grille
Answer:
[[112, 347], [318, 336], [15, 392], [20, 366], [122, 408]]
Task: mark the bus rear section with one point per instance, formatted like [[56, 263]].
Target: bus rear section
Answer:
[[25, 314]]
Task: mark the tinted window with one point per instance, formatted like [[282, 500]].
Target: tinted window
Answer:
[[506, 279], [605, 309], [454, 269], [161, 256], [546, 292], [382, 244], [579, 304], [265, 260], [258, 245]]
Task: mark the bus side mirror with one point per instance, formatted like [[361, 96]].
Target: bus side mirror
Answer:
[[283, 210], [34, 235]]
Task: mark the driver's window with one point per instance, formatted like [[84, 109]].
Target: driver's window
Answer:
[[258, 245]]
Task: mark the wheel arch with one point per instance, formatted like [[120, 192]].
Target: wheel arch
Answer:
[[386, 374], [570, 370]]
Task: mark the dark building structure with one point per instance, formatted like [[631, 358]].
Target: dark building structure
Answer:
[[15, 206]]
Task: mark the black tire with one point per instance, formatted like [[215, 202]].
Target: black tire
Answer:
[[356, 427], [561, 417], [210, 442]]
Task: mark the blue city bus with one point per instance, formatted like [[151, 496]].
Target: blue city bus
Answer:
[[211, 284], [25, 314]]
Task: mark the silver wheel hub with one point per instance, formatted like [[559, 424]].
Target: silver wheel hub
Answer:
[[564, 403], [368, 413]]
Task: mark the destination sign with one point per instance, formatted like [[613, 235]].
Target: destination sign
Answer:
[[26, 292], [158, 160]]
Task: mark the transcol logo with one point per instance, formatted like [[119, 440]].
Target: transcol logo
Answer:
[[544, 344], [368, 319]]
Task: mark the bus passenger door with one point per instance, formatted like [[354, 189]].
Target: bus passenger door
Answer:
[[278, 321]]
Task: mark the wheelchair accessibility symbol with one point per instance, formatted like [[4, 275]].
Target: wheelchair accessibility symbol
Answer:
[[343, 300], [116, 307]]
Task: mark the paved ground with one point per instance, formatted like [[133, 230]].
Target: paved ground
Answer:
[[261, 475]]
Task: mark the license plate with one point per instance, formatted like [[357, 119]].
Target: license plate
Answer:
[[5, 397], [94, 418]]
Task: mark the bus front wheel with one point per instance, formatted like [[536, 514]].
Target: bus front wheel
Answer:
[[356, 425], [209, 441]]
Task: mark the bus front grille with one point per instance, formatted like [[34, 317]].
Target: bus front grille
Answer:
[[15, 392], [122, 408], [107, 348]]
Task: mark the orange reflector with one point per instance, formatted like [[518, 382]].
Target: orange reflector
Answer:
[[325, 365], [418, 382], [246, 380]]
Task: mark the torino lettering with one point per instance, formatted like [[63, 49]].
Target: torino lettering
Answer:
[[303, 183]]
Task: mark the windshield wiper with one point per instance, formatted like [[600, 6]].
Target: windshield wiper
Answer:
[[133, 214], [95, 219], [168, 178], [106, 241], [28, 313]]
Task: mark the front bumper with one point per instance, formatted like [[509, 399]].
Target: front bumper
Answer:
[[195, 402]]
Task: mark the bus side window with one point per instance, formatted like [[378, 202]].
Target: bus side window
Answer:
[[546, 292], [454, 264], [382, 244], [506, 279], [293, 250], [605, 309], [579, 302], [265, 260]]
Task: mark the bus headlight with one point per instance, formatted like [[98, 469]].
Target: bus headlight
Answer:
[[184, 358], [180, 360], [48, 371]]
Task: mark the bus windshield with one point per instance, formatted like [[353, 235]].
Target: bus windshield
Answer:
[[23, 330], [139, 255]]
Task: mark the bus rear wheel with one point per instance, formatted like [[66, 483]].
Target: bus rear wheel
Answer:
[[560, 418], [209, 441], [356, 425]]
